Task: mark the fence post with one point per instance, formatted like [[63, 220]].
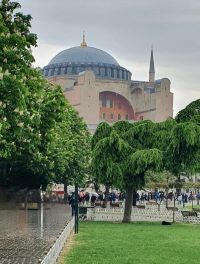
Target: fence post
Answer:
[[174, 209], [76, 208]]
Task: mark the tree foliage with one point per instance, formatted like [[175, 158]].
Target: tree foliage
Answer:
[[122, 158], [103, 130], [159, 179], [40, 132], [165, 146], [189, 119], [108, 154], [191, 113]]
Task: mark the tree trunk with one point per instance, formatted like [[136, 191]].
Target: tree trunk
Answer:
[[96, 187], [4, 172], [128, 205], [107, 187], [65, 192], [134, 197]]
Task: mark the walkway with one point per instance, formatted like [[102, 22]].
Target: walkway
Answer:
[[26, 236]]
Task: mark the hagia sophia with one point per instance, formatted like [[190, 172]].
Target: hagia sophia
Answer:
[[102, 90]]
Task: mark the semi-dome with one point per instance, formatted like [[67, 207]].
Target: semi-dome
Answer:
[[85, 55], [78, 59]]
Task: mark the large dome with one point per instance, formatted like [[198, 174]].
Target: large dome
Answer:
[[71, 62], [84, 55]]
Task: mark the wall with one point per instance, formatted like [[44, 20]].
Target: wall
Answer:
[[114, 107], [164, 100], [89, 108], [137, 98]]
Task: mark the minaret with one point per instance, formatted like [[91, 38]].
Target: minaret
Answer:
[[151, 68], [83, 44]]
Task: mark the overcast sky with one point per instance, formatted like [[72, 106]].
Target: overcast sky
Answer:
[[126, 29]]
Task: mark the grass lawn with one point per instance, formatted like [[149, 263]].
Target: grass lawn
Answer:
[[189, 207], [135, 243]]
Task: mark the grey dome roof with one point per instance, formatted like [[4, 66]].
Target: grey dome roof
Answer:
[[86, 55], [73, 61]]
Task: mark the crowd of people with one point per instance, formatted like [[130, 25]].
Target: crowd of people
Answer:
[[182, 198], [86, 198], [92, 199]]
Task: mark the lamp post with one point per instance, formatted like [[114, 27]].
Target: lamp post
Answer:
[[174, 196], [192, 200], [76, 208]]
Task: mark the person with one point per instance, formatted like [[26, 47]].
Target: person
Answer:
[[87, 197], [72, 203], [93, 199], [179, 198], [198, 198], [157, 197]]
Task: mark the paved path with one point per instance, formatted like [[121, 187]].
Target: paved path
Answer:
[[27, 235]]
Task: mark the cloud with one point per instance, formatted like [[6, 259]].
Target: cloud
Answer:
[[126, 29]]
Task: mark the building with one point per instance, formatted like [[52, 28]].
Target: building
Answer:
[[102, 90]]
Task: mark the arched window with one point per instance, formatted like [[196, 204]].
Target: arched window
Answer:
[[59, 71], [102, 71], [74, 72], [69, 70], [123, 75], [106, 71], [118, 74], [103, 101], [111, 103], [104, 116], [62, 70], [51, 71], [108, 103], [112, 72]]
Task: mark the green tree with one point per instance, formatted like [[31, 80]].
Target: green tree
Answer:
[[183, 151], [122, 158], [108, 154], [77, 168], [143, 158], [191, 113], [189, 161], [15, 95], [160, 179], [39, 130], [124, 154], [103, 130]]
